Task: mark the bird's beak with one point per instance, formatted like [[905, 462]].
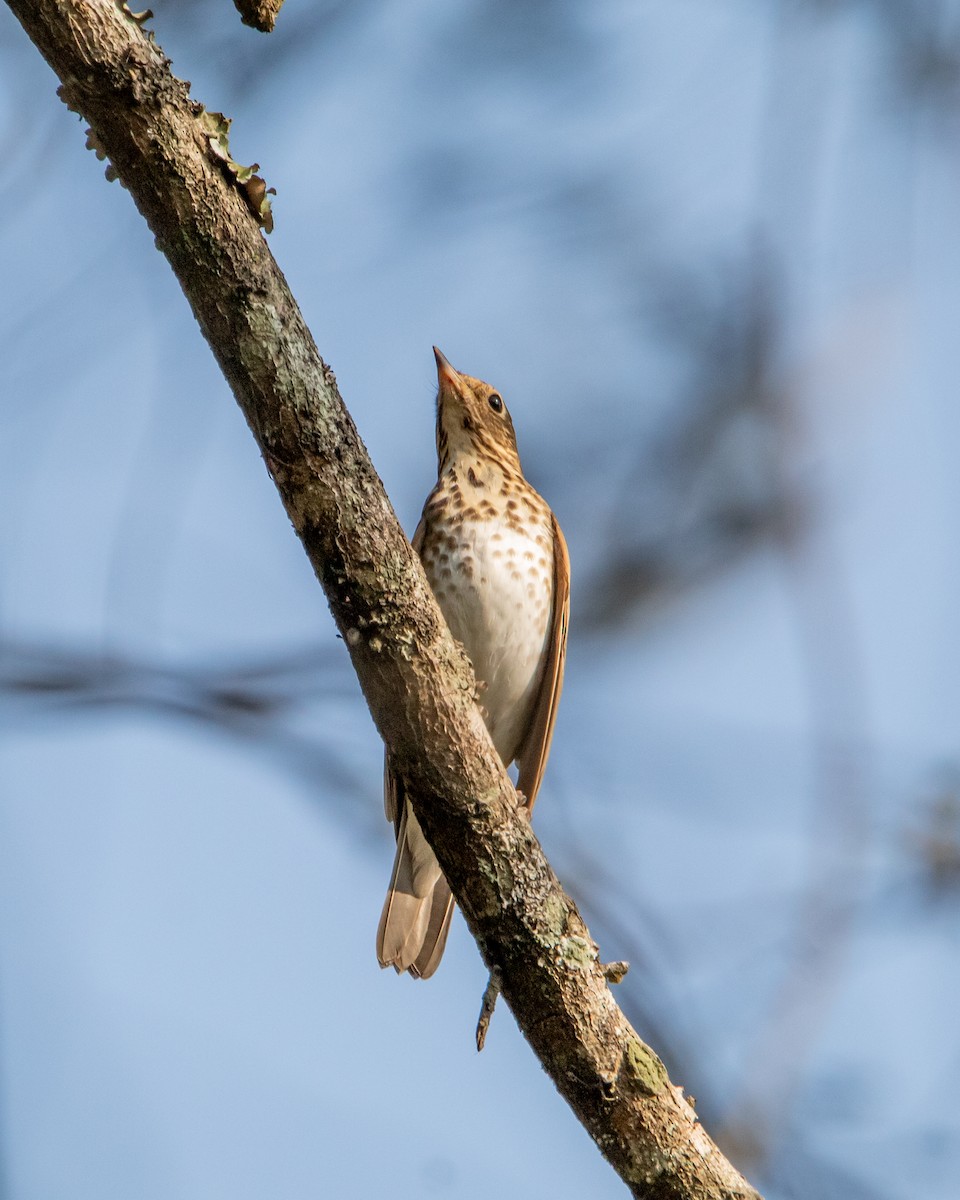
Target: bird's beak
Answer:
[[447, 375]]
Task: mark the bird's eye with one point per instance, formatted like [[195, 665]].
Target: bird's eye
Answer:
[[496, 403]]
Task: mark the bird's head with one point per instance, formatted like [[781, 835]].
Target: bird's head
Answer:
[[472, 420]]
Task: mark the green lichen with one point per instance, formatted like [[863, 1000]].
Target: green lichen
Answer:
[[642, 1067], [252, 187], [555, 913], [576, 952]]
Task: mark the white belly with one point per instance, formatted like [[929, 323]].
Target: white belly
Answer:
[[495, 589]]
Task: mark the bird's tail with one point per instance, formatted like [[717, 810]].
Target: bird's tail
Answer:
[[418, 908]]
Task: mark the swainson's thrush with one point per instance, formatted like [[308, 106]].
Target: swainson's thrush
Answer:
[[497, 562]]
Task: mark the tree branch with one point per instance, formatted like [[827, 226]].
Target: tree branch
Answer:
[[416, 680]]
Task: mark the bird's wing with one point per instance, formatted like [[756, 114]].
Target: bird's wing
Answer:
[[536, 746]]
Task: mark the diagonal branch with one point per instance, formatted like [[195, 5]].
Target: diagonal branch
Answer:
[[416, 681]]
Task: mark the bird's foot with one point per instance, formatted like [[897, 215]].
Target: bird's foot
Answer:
[[487, 1006]]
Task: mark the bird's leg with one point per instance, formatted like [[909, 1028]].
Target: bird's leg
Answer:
[[488, 1005]]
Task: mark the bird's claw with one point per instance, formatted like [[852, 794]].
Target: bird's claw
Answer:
[[487, 1006]]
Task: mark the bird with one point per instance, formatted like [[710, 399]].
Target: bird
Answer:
[[497, 563]]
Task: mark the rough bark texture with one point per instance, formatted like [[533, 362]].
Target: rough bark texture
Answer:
[[261, 14], [418, 685]]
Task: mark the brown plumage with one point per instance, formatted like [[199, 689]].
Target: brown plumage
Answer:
[[497, 562]]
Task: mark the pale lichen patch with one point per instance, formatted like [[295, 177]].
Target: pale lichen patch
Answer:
[[577, 952], [642, 1067]]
